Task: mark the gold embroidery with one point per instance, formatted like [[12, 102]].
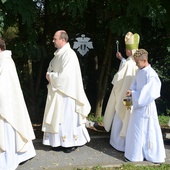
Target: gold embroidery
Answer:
[[75, 137], [63, 138]]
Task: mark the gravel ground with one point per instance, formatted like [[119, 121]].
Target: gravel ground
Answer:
[[97, 152]]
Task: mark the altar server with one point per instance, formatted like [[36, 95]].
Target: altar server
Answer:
[[144, 137]]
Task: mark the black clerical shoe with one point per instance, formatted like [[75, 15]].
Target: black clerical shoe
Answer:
[[70, 149], [23, 162], [127, 160], [59, 148]]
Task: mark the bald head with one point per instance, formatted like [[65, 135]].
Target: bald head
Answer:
[[60, 38], [62, 35]]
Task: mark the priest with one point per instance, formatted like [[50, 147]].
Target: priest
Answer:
[[16, 131], [67, 106], [116, 116]]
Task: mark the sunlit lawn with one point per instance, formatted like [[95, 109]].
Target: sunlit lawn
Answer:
[[163, 120], [132, 167]]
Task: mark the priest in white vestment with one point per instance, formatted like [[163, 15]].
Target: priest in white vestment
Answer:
[[144, 136], [116, 116], [16, 132], [67, 106]]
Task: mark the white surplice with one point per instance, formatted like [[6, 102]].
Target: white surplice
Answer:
[[67, 106], [116, 116], [16, 131], [10, 159], [144, 137]]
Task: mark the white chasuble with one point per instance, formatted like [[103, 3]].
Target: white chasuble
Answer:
[[16, 130], [66, 101], [121, 83]]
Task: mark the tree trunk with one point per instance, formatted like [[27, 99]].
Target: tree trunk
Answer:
[[104, 75], [32, 98]]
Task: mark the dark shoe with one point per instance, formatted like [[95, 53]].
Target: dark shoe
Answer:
[[23, 162], [59, 148], [70, 149], [127, 160], [158, 163]]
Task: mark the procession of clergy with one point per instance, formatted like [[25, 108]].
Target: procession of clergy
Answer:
[[135, 131]]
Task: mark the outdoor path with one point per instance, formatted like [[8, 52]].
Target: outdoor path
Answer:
[[97, 152]]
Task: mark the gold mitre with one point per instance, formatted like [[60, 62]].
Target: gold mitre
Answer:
[[132, 41]]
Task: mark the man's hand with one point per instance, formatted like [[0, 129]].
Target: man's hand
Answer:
[[119, 55], [128, 93]]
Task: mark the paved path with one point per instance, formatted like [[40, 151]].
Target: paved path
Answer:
[[97, 152]]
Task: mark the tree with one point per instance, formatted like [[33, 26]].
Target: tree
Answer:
[[130, 15], [30, 26]]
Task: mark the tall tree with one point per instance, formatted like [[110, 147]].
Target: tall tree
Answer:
[[30, 26], [130, 15]]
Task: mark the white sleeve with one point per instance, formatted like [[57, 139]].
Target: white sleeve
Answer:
[[121, 63]]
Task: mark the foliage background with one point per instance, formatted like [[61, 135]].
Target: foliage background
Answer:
[[28, 27]]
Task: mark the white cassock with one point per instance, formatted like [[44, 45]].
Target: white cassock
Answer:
[[16, 132], [67, 106], [144, 136], [116, 117]]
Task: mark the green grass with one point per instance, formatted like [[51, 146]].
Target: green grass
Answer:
[[93, 119], [163, 120], [130, 167]]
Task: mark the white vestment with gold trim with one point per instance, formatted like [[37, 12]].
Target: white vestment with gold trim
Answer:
[[67, 106]]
